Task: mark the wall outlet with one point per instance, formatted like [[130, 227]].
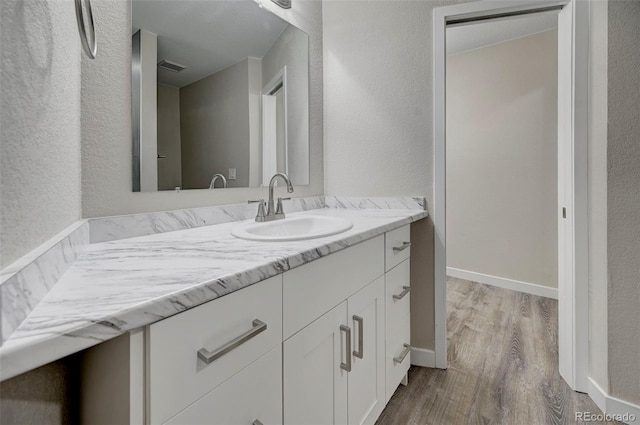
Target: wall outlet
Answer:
[[232, 173]]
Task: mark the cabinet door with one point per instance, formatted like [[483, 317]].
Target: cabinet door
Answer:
[[253, 394], [315, 385], [367, 376]]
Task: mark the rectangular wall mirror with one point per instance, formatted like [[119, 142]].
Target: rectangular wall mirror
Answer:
[[220, 95]]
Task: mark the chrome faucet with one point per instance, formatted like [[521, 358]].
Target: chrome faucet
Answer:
[[216, 177], [277, 213], [272, 213]]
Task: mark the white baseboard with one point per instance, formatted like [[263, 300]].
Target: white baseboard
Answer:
[[629, 413], [501, 282], [423, 357]]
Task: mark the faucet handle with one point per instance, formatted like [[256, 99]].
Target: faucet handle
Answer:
[[256, 201], [279, 209], [260, 216]]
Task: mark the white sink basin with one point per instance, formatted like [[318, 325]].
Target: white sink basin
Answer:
[[293, 228]]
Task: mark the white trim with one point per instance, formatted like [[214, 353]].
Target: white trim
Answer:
[[580, 122], [612, 405], [423, 357], [503, 282]]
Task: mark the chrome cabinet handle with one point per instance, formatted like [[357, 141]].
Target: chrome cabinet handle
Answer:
[[405, 351], [90, 50], [405, 291], [347, 366], [402, 247], [209, 356], [360, 321], [256, 422]]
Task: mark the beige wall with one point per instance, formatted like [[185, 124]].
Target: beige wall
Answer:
[[169, 168], [623, 203], [214, 116], [106, 119], [40, 124], [290, 50], [148, 111], [502, 160]]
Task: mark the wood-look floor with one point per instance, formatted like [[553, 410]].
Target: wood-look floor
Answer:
[[503, 365]]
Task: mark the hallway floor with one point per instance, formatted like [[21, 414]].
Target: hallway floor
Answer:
[[503, 365]]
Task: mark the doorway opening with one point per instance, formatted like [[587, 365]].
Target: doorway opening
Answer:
[[572, 205]]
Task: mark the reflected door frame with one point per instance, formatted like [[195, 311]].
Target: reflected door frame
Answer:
[[268, 117]]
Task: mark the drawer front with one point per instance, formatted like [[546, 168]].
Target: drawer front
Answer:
[[253, 394], [311, 290], [397, 296], [397, 247], [178, 377], [396, 338]]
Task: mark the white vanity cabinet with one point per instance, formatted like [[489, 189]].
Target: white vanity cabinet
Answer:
[[326, 342]]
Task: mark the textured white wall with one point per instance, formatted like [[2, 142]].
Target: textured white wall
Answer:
[[106, 119], [378, 98], [502, 159], [40, 127], [623, 203]]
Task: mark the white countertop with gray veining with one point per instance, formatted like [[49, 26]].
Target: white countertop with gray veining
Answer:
[[117, 286]]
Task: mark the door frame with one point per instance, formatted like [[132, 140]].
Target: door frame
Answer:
[[574, 310]]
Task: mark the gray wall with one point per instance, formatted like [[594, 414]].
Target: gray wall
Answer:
[[290, 50], [502, 160], [215, 130], [40, 124], [169, 168], [106, 119], [48, 395], [623, 205]]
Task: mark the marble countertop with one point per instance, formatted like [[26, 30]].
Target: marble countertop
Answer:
[[117, 286]]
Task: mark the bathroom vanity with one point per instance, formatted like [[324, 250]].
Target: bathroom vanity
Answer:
[[326, 342], [200, 326]]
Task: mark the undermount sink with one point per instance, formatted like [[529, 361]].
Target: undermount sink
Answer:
[[293, 228]]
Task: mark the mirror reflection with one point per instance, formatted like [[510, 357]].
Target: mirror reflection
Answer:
[[220, 95]]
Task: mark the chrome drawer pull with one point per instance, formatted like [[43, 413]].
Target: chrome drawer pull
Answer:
[[405, 291], [402, 247], [360, 321], [347, 366], [209, 356], [400, 358], [256, 422]]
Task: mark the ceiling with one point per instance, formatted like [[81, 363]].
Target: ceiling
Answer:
[[485, 33], [205, 36]]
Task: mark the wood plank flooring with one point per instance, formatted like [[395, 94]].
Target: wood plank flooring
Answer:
[[503, 365]]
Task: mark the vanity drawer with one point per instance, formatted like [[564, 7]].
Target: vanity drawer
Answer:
[[397, 246], [396, 362], [311, 290], [253, 394], [178, 376], [398, 296]]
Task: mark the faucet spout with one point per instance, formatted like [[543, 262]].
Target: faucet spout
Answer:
[[216, 177]]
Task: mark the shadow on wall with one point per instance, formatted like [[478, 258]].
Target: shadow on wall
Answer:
[[46, 396], [31, 48]]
